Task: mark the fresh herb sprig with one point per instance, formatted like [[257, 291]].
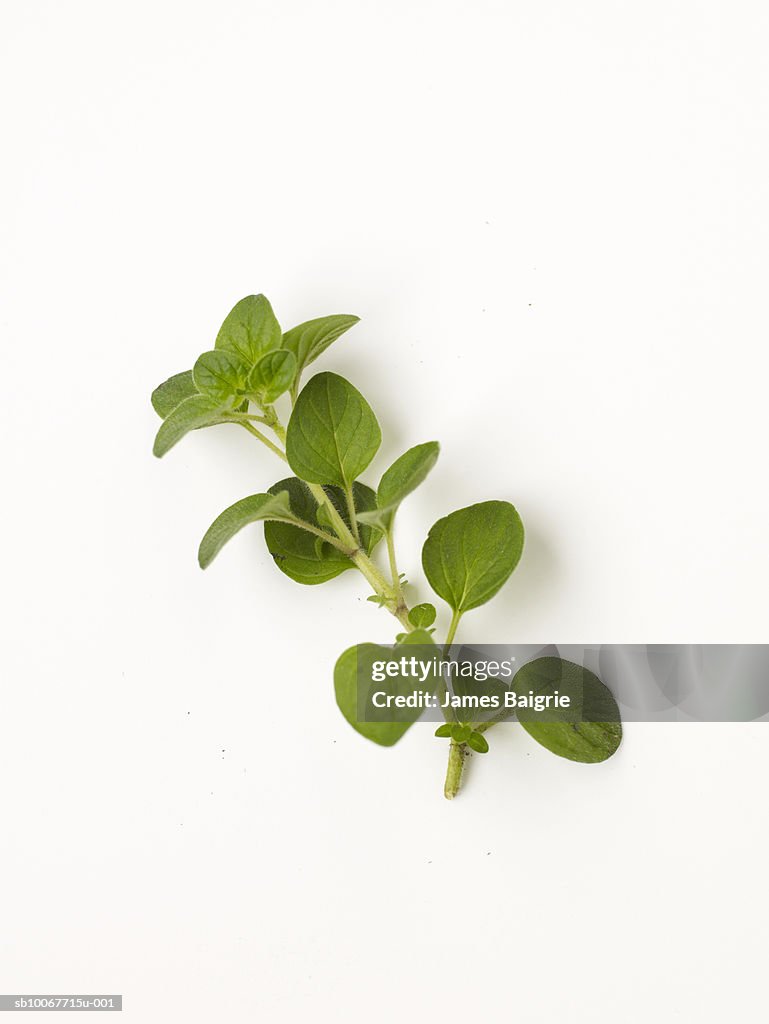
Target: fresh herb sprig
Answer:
[[323, 520]]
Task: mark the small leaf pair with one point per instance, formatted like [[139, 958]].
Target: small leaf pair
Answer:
[[251, 330], [222, 377], [464, 734]]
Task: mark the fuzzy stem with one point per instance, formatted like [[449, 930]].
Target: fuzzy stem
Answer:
[[271, 419], [348, 497], [457, 753], [356, 553], [265, 440], [323, 534]]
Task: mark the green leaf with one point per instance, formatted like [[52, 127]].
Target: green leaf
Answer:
[[332, 434], [173, 392], [351, 662], [301, 556], [460, 732], [444, 731], [355, 663], [221, 376], [469, 554], [422, 615], [248, 510], [294, 550], [477, 741], [250, 330], [309, 339], [198, 411], [404, 476], [272, 375], [589, 730]]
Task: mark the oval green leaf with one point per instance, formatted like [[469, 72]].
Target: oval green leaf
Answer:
[[403, 477], [309, 339], [333, 434], [357, 660], [248, 510], [273, 375], [406, 474], [296, 552], [470, 554], [198, 411], [422, 615], [356, 663], [222, 376], [460, 732], [173, 392], [250, 330], [589, 730], [477, 741]]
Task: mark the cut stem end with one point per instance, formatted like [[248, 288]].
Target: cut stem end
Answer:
[[457, 754]]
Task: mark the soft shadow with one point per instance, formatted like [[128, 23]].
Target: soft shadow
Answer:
[[533, 581]]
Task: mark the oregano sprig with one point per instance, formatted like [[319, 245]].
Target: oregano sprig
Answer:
[[324, 520]]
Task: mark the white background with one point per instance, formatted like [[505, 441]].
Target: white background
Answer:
[[552, 218]]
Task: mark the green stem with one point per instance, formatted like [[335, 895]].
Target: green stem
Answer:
[[323, 534], [395, 575], [348, 497], [455, 619], [400, 600], [253, 417], [356, 553], [272, 421], [334, 518], [265, 440], [457, 752], [380, 586]]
